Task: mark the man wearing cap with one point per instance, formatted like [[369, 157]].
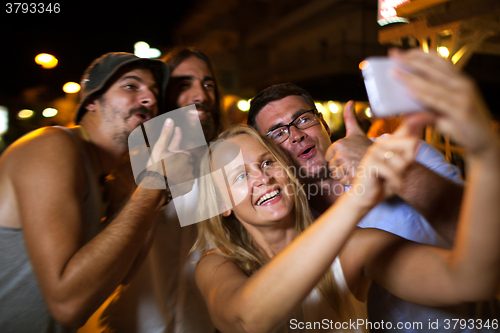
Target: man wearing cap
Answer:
[[57, 265]]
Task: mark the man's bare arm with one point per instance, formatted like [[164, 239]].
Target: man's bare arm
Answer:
[[75, 277]]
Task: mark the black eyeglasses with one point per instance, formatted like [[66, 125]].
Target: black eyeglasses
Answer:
[[303, 121]]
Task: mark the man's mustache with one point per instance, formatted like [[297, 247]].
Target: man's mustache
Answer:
[[140, 109], [202, 107]]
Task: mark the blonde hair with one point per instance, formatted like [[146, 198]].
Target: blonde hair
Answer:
[[228, 236]]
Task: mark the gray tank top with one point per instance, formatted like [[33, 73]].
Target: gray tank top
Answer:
[[22, 306]]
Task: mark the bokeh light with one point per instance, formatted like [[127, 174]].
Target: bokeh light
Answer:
[[24, 114], [364, 64], [243, 105], [142, 50], [334, 108], [71, 87], [368, 112], [320, 107], [46, 60], [443, 51], [4, 119], [49, 112]]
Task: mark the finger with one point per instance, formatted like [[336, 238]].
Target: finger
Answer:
[[403, 146], [160, 148], [176, 139], [351, 123], [436, 96], [390, 172], [429, 65]]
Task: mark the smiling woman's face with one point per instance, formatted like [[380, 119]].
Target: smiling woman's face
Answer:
[[261, 188]]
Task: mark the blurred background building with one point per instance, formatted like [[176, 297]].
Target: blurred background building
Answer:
[[315, 44]]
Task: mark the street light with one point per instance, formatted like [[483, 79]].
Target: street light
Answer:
[[71, 87], [142, 50], [24, 114], [46, 60], [333, 107], [49, 112], [443, 51], [243, 105]]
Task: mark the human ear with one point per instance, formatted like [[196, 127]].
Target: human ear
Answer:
[[91, 105], [227, 213]]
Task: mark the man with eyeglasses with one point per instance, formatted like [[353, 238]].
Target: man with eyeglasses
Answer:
[[286, 114]]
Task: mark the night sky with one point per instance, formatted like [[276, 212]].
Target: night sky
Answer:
[[81, 32]]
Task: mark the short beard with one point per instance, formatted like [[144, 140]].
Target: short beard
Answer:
[[208, 125], [121, 138]]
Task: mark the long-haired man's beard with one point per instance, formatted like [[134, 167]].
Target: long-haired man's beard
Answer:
[[208, 123]]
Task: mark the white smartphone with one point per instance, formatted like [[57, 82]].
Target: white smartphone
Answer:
[[387, 96]]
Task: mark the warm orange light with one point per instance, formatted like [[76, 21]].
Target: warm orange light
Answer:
[[364, 64], [71, 87], [443, 51], [46, 60]]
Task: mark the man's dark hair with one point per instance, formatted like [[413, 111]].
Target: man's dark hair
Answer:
[[177, 55], [275, 93]]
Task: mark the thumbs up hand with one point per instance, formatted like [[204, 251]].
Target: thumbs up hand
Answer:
[[343, 155]]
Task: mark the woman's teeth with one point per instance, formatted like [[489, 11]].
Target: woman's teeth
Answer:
[[268, 197]]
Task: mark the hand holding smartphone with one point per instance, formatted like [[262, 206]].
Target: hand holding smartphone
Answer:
[[387, 96]]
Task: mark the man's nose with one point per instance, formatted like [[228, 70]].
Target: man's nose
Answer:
[[296, 135], [198, 93], [147, 98]]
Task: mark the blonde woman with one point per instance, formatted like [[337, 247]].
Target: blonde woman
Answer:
[[268, 268]]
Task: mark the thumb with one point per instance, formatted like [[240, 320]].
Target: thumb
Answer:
[[351, 124]]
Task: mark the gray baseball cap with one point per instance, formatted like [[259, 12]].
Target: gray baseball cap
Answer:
[[102, 69]]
